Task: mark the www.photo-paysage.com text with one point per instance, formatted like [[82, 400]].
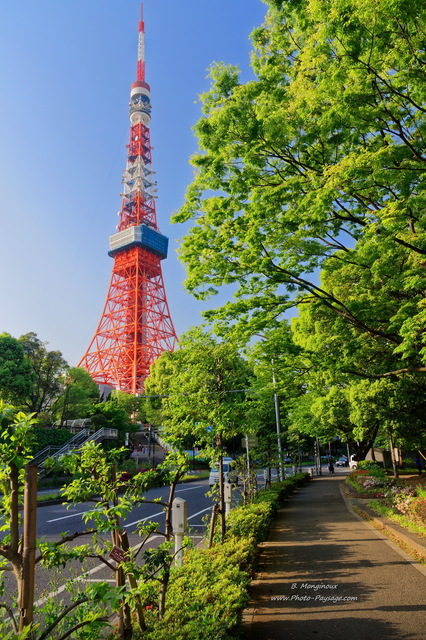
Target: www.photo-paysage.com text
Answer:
[[314, 586]]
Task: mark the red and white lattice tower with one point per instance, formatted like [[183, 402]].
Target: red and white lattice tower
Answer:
[[135, 327]]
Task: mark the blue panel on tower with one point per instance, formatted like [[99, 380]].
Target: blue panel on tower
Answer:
[[154, 241], [139, 236]]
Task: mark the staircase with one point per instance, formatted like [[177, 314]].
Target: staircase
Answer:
[[74, 444]]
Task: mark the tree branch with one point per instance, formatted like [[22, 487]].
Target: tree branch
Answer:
[[397, 372]]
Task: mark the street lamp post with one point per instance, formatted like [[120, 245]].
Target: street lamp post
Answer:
[[281, 469], [278, 426]]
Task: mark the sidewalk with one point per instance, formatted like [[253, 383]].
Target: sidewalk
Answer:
[[326, 574]]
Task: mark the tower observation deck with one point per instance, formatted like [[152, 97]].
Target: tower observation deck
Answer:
[[135, 326]]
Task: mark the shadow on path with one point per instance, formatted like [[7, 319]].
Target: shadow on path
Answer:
[[324, 574]]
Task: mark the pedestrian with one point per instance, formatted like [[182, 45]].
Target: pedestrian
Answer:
[[419, 465], [330, 465]]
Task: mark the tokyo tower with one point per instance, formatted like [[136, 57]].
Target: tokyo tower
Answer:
[[135, 326]]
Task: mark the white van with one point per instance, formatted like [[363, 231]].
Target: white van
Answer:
[[229, 474], [353, 462]]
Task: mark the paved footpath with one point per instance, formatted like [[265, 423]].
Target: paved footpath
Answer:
[[326, 574]]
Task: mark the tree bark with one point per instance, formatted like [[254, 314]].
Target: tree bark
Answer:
[[26, 601]]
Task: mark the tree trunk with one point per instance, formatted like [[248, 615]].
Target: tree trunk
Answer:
[[168, 531], [124, 619], [221, 495], [26, 599], [132, 581]]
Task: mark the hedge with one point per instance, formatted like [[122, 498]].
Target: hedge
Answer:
[[207, 595]]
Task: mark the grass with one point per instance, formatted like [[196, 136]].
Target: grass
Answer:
[[196, 475], [381, 509], [45, 497]]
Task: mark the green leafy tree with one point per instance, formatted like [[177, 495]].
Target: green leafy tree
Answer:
[[15, 451], [16, 375], [109, 415], [133, 405], [349, 390], [318, 163], [80, 392], [95, 480], [16, 556], [200, 389], [48, 369]]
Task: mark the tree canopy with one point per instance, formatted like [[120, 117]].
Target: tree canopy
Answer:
[[80, 392], [200, 391], [16, 377], [318, 163], [48, 369]]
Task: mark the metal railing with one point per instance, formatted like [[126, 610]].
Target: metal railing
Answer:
[[75, 443], [45, 453], [102, 434]]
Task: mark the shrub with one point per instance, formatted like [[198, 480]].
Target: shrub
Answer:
[[367, 480], [251, 521], [206, 596], [128, 466], [368, 464], [421, 492], [43, 437]]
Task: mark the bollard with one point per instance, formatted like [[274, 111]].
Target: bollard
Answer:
[[227, 492], [179, 524]]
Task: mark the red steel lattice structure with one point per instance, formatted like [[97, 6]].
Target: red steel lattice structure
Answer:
[[135, 326]]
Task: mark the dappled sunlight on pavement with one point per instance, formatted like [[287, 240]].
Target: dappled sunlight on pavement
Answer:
[[324, 573]]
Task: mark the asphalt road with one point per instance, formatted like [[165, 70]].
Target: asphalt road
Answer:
[[53, 520]]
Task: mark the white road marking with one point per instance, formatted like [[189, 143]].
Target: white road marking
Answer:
[[106, 580], [198, 513], [73, 515], [143, 519], [81, 513], [190, 489]]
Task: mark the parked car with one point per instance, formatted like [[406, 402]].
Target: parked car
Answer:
[[342, 462], [229, 474]]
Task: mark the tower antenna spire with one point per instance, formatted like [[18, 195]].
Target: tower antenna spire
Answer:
[[140, 74]]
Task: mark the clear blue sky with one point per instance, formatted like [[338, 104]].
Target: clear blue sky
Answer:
[[66, 67]]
